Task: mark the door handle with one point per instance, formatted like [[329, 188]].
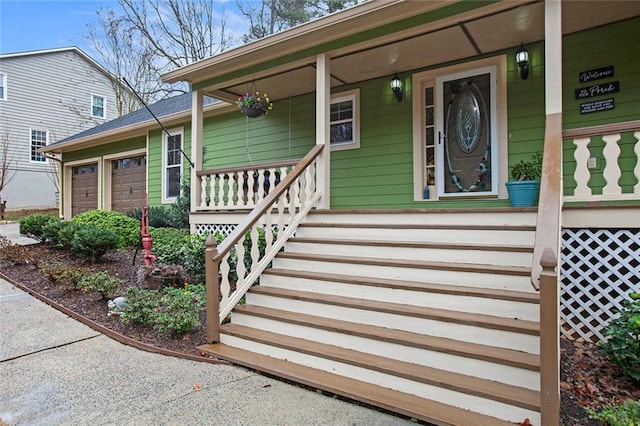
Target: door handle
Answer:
[[441, 137]]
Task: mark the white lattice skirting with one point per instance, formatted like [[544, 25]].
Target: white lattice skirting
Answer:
[[600, 267]]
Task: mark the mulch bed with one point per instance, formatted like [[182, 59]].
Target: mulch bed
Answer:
[[587, 378]]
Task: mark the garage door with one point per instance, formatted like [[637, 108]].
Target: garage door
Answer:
[[84, 188], [128, 183]]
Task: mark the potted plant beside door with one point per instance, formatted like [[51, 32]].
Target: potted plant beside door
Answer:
[[523, 189]]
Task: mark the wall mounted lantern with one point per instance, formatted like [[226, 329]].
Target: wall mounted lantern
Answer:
[[522, 58], [396, 86]]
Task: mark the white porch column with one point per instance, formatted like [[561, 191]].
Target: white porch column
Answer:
[[323, 102], [196, 147]]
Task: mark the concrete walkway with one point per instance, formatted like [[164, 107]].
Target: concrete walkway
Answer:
[[56, 371]]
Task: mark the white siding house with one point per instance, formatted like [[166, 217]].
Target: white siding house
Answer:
[[46, 96]]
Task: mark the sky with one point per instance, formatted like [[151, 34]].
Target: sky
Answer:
[[48, 24]]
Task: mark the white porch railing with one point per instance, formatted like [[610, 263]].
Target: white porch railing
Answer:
[[242, 187], [226, 286], [616, 137]]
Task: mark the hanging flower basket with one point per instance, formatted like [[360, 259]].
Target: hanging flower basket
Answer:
[[252, 112], [254, 104]]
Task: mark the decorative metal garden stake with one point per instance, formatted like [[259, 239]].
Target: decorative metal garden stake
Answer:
[[147, 241]]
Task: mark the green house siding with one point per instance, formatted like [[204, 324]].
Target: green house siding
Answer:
[[109, 149], [287, 132], [611, 45]]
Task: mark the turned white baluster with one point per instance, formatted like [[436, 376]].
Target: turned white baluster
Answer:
[[636, 170], [251, 189], [268, 230], [281, 202], [294, 193], [272, 180], [203, 191], [611, 172], [255, 249], [582, 174], [239, 190], [260, 195], [241, 268], [301, 186], [225, 193], [225, 287], [283, 174]]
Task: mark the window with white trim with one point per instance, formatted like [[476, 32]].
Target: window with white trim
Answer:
[[3, 87], [344, 116], [39, 139], [172, 155], [98, 106]]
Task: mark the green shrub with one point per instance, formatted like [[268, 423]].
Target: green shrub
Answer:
[[127, 229], [60, 232], [627, 414], [140, 306], [180, 309], [63, 274], [33, 226], [93, 242], [623, 344], [159, 216], [172, 309], [100, 282], [193, 255], [168, 245]]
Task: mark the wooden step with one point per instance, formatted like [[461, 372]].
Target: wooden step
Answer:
[[399, 402], [415, 244], [418, 226], [500, 392], [497, 294], [476, 320], [415, 264], [487, 353]]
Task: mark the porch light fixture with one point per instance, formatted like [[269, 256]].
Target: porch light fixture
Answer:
[[522, 58], [396, 86]]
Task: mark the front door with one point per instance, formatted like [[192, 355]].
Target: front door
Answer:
[[467, 133]]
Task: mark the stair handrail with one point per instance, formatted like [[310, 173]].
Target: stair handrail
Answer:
[[218, 310], [550, 200]]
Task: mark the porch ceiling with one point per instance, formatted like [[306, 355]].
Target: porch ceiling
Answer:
[[496, 27]]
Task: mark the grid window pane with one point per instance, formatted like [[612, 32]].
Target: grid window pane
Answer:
[[173, 182], [342, 122], [173, 169], [38, 140], [97, 106]]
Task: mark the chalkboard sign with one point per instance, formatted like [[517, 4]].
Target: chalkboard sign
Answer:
[[596, 106], [597, 74], [598, 90]]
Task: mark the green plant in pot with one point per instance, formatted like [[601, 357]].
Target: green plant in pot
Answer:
[[523, 189]]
